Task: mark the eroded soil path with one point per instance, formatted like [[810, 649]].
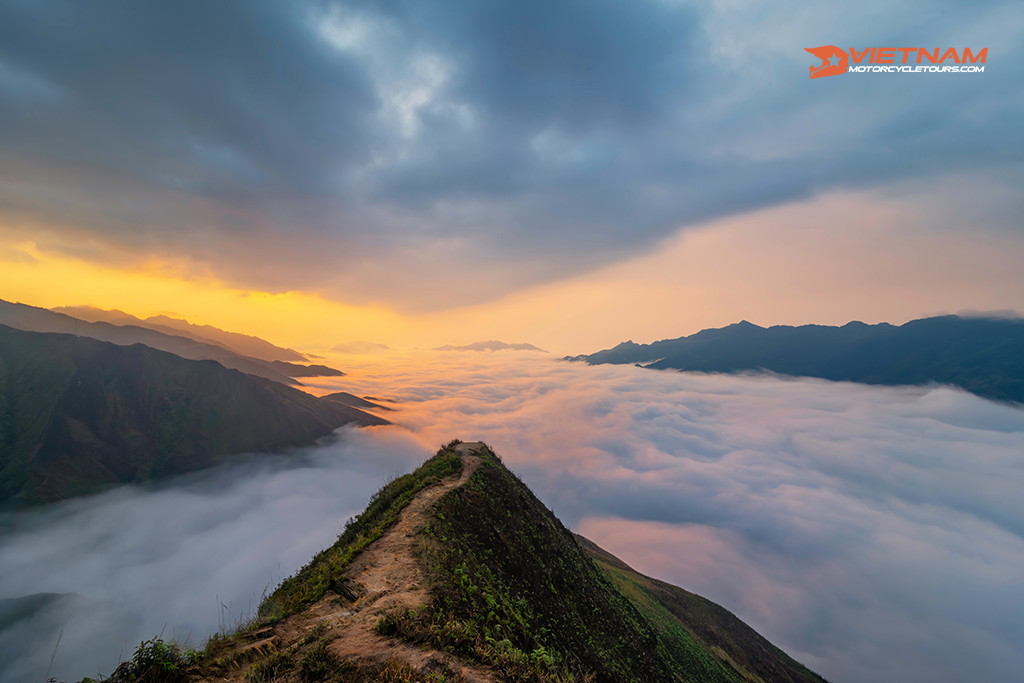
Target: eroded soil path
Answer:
[[386, 577]]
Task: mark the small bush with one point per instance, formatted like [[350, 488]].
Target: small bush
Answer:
[[156, 661]]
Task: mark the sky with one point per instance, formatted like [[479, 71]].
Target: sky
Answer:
[[419, 174], [874, 533]]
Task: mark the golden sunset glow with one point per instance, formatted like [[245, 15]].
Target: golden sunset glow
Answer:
[[298, 319], [774, 266]]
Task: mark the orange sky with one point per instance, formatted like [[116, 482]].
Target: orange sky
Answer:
[[827, 260]]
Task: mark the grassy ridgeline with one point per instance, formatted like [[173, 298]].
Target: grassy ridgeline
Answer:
[[511, 590], [515, 590], [326, 571]]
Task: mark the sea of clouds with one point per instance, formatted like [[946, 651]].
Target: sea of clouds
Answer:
[[876, 534], [181, 560]]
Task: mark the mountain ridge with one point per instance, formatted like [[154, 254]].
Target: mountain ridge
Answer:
[[78, 415], [456, 572], [242, 344], [354, 401], [35, 319], [982, 355]]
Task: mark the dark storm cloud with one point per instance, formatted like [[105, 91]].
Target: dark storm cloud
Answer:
[[548, 137], [228, 99]]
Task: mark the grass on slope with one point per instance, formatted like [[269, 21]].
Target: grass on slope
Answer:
[[327, 569], [513, 589], [693, 628]]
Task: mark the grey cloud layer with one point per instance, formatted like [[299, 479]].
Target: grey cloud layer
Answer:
[[549, 136]]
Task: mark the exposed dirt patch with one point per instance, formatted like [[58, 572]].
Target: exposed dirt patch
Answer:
[[384, 578]]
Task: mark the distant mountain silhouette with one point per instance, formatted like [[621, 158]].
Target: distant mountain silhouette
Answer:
[[354, 401], [79, 415], [492, 345], [312, 370], [34, 319], [360, 347], [242, 344], [982, 355]]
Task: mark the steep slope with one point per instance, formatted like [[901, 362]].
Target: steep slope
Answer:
[[77, 415], [243, 344], [984, 356], [691, 626], [458, 572]]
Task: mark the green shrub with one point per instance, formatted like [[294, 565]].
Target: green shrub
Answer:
[[156, 661]]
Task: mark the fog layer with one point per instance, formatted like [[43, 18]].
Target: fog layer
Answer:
[[183, 560], [873, 533]]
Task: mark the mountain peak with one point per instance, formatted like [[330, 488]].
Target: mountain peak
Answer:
[[459, 572]]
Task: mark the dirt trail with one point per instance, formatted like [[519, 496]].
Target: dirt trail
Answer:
[[386, 576]]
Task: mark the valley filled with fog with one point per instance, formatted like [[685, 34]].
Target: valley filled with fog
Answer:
[[875, 534]]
